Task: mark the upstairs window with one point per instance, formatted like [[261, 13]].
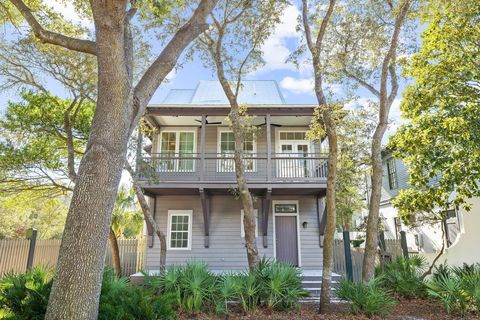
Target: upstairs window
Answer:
[[177, 150], [392, 174], [226, 149]]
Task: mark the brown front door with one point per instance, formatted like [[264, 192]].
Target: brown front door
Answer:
[[286, 239]]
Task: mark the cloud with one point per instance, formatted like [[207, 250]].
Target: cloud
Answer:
[[275, 49], [297, 85]]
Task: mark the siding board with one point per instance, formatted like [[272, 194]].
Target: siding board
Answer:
[[227, 248]]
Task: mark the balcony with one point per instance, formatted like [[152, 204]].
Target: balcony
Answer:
[[220, 168]]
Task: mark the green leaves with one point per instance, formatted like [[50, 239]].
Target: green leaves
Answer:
[[33, 146], [440, 143]]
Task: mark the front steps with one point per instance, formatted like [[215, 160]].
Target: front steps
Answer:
[[312, 282]]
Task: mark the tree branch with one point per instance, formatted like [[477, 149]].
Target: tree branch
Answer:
[[362, 82], [72, 174], [46, 36], [165, 62]]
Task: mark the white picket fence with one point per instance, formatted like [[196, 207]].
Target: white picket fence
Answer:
[[14, 254]]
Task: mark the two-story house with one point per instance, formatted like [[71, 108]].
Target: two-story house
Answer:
[[428, 237], [188, 173]]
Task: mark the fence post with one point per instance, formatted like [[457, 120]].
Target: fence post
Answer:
[[31, 248], [403, 242], [348, 255]]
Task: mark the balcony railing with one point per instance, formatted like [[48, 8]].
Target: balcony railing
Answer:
[[221, 167]]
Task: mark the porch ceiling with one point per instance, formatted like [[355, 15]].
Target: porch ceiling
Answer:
[[216, 190], [195, 121]]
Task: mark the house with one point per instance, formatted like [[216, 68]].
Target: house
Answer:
[[188, 174], [427, 239]]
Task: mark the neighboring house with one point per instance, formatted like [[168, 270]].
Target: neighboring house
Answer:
[[425, 239], [188, 173]]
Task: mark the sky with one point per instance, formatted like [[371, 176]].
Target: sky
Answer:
[[296, 84]]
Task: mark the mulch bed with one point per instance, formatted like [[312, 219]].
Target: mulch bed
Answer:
[[405, 309]]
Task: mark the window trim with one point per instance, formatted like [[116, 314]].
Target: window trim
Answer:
[[392, 174], [172, 213], [242, 227]]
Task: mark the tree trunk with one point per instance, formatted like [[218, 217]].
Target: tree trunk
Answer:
[[76, 288], [385, 103], [371, 242], [249, 222], [330, 227], [115, 251]]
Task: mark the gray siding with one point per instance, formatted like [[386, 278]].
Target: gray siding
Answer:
[[402, 177], [227, 250]]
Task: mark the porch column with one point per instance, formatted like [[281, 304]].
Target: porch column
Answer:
[[202, 147], [205, 199], [265, 211], [322, 218], [269, 148]]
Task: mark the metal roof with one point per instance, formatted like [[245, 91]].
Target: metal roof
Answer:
[[211, 92]]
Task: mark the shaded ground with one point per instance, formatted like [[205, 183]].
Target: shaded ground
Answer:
[[405, 309]]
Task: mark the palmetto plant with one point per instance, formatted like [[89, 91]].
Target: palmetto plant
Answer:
[[370, 299], [193, 285], [403, 277], [25, 296], [280, 285], [458, 288]]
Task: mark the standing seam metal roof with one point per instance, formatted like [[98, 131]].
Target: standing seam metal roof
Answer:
[[211, 92]]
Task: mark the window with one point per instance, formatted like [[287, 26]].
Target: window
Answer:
[[226, 149], [292, 135], [177, 149], [179, 229], [286, 208], [392, 174], [398, 227], [242, 228]]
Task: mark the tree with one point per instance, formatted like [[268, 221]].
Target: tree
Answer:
[[366, 51], [32, 209], [23, 63], [232, 48], [119, 105], [440, 143], [354, 134], [323, 124]]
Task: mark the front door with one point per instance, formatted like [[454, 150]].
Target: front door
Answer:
[[286, 238]]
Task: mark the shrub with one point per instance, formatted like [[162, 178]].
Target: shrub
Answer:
[[195, 288], [25, 296], [370, 299], [280, 285], [274, 285], [120, 300], [458, 288], [403, 277]]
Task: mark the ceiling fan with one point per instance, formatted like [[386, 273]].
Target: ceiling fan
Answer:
[[265, 123], [207, 123]]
